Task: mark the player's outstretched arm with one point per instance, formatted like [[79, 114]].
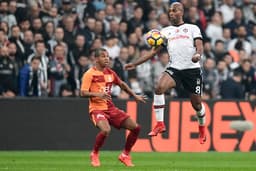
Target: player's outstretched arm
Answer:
[[126, 88], [143, 59]]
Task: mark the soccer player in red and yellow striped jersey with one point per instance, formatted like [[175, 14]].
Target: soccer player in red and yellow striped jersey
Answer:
[[96, 84]]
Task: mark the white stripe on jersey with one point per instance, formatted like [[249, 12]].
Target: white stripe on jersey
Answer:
[[180, 45]]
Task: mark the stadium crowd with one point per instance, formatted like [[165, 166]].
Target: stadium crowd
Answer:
[[47, 45]]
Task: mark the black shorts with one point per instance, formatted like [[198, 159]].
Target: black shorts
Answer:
[[191, 79]]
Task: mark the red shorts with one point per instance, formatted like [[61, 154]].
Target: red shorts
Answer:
[[114, 116]]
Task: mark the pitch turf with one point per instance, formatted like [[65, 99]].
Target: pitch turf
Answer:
[[79, 161]]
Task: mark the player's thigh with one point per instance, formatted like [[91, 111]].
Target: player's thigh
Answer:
[[100, 120], [129, 124], [117, 117], [165, 82]]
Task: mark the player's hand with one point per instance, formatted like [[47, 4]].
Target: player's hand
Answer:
[[129, 66], [196, 57], [105, 96], [139, 98]]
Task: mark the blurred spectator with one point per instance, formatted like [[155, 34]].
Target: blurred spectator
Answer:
[[109, 16], [24, 26], [66, 7], [58, 70], [31, 79], [4, 14], [18, 11], [248, 76], [54, 16], [28, 42], [37, 25], [119, 63], [236, 22], [40, 52], [17, 60], [89, 30], [46, 10], [219, 50], [69, 30], [99, 29], [232, 87], [123, 33], [223, 73], [214, 29], [136, 21], [34, 11], [247, 10], [16, 38], [3, 38], [208, 8], [119, 12], [145, 74], [97, 43], [48, 30], [111, 46], [66, 91], [163, 20], [252, 38], [77, 72], [4, 26], [227, 9], [209, 75], [240, 42], [57, 38], [77, 50], [160, 65], [8, 79], [208, 51], [226, 37]]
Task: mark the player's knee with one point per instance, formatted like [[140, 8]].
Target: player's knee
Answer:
[[159, 90], [106, 131], [197, 106], [137, 129]]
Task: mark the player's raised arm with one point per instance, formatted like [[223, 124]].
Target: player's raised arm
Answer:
[[143, 59]]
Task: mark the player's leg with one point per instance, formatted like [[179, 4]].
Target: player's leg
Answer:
[[166, 82], [200, 112], [131, 139], [102, 123], [192, 81]]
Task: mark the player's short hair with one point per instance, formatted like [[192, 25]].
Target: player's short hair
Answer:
[[98, 51]]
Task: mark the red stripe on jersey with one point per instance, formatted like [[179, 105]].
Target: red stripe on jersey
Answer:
[[158, 106]]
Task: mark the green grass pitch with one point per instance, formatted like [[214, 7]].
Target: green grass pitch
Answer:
[[79, 161]]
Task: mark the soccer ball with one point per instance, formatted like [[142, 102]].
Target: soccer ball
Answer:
[[154, 38]]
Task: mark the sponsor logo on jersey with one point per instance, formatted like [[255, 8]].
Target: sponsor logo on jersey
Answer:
[[198, 81], [185, 30], [98, 116]]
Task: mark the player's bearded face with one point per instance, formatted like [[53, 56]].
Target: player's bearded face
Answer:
[[175, 15]]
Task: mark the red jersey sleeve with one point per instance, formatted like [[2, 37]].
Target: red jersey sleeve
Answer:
[[116, 80]]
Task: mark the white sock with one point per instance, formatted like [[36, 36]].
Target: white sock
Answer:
[[159, 102], [201, 115]]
